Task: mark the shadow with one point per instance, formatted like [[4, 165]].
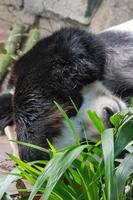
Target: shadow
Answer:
[[92, 7]]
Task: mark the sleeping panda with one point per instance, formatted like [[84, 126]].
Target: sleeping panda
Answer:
[[94, 70]]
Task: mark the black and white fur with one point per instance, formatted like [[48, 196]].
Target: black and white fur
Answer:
[[95, 70]]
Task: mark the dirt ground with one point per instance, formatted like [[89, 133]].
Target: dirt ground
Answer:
[[5, 163]]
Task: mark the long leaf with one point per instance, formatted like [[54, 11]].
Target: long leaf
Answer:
[[32, 146], [54, 170], [69, 122], [122, 173], [25, 166], [96, 120], [7, 182], [67, 159], [125, 136], [108, 152]]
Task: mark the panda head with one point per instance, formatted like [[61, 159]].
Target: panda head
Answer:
[[69, 63]]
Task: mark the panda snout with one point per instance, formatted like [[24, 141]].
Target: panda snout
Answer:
[[107, 113]]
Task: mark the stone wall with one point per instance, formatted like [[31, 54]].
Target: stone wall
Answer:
[[50, 15]]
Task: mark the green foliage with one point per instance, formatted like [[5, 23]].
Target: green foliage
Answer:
[[82, 171]]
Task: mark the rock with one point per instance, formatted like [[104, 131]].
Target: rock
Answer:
[[17, 4], [80, 11], [112, 13], [93, 14], [10, 15], [1, 2], [34, 7], [73, 10], [21, 16], [6, 165]]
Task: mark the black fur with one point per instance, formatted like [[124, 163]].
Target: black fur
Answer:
[[6, 110], [55, 69]]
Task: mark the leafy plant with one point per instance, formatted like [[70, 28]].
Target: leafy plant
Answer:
[[83, 171]]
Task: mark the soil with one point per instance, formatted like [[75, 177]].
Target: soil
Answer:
[[5, 164]]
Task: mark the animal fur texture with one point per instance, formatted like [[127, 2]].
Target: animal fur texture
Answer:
[[95, 70]]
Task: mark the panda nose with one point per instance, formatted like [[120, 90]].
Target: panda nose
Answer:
[[108, 111]]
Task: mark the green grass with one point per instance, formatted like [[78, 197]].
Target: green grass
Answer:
[[82, 171]]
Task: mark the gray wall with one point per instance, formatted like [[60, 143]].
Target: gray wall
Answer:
[[53, 14]]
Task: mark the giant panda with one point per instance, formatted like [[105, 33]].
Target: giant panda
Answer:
[[94, 70]]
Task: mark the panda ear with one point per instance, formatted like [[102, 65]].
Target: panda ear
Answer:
[[6, 110]]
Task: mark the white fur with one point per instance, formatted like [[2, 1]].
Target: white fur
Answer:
[[127, 26], [95, 97], [12, 90]]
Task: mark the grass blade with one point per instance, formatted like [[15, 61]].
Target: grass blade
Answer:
[[81, 120], [67, 159], [97, 122], [122, 173], [108, 153], [54, 170], [69, 122], [32, 146], [7, 182], [25, 166], [125, 136]]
